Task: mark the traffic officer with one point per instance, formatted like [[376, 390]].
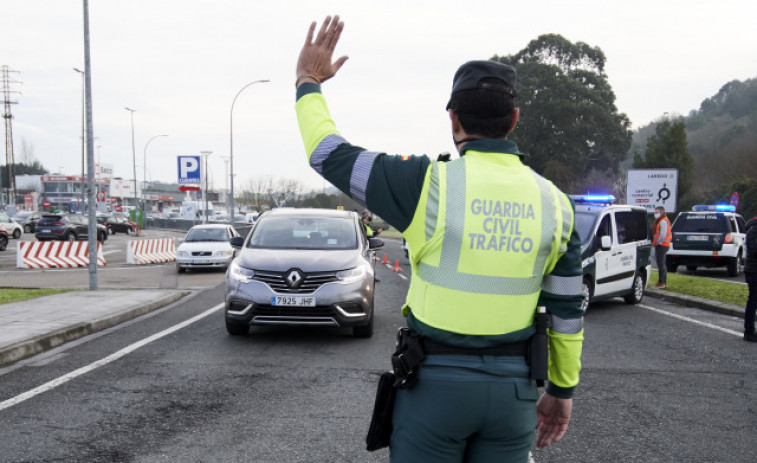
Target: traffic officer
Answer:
[[490, 240], [663, 237], [366, 218], [750, 276]]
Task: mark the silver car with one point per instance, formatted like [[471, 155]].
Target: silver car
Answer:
[[206, 246], [303, 267]]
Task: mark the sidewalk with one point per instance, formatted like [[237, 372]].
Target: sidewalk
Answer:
[[30, 327], [694, 301]]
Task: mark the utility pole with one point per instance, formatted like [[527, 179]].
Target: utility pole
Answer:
[[205, 190], [5, 72]]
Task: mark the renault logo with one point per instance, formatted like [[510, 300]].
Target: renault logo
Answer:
[[294, 279]]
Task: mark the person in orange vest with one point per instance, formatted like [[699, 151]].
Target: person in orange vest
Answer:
[[662, 239]]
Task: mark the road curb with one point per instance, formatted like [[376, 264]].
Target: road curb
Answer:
[[30, 347], [694, 301]]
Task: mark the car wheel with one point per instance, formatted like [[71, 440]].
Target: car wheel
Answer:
[[17, 233], [3, 243], [365, 331], [101, 237], [735, 266], [27, 229], [637, 290], [179, 269], [128, 231], [236, 328], [110, 231], [586, 292], [692, 268], [671, 265], [70, 236]]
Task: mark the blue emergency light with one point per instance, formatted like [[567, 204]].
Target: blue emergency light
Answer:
[[593, 199], [714, 208]]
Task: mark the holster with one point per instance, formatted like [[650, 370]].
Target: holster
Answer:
[[407, 357], [538, 349]]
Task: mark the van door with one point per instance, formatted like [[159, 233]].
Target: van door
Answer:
[[615, 266]]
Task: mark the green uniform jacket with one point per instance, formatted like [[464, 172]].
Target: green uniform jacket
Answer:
[[392, 187]]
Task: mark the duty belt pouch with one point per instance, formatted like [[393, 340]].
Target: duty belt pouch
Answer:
[[380, 430], [538, 349], [407, 358]]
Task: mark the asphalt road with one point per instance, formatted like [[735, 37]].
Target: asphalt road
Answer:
[[660, 383]]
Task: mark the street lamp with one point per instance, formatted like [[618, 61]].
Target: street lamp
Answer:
[[83, 111], [144, 167], [205, 190], [133, 160], [231, 147]]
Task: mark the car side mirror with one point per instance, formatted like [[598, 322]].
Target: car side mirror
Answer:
[[237, 241], [375, 243], [605, 243]]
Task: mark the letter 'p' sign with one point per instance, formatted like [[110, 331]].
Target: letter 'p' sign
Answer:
[[189, 170]]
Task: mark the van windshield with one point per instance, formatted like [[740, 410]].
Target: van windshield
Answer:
[[585, 224]]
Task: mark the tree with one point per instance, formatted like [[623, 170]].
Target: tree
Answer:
[[19, 168], [668, 148], [569, 124]]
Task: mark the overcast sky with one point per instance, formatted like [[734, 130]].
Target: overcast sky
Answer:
[[180, 64]]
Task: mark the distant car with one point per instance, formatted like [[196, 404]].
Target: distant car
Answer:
[[12, 227], [3, 239], [116, 224], [311, 267], [68, 227], [206, 246], [30, 223]]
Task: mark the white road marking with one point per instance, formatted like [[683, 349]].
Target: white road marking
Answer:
[[104, 361], [691, 320]]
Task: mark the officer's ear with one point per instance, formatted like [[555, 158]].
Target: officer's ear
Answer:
[[514, 122], [456, 126]]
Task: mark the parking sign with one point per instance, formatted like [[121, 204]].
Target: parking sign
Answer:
[[189, 170]]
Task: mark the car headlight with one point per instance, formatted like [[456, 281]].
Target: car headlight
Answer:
[[183, 253], [352, 275], [240, 273], [222, 253]]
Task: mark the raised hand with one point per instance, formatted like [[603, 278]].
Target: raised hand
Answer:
[[314, 63]]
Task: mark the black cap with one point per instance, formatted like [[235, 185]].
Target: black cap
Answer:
[[471, 76]]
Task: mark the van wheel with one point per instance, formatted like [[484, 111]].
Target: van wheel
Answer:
[[637, 290], [586, 291], [735, 266]]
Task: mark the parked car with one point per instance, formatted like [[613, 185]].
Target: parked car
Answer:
[[708, 236], [116, 224], [206, 246], [615, 249], [70, 227], [3, 239], [12, 227], [311, 267], [30, 223]]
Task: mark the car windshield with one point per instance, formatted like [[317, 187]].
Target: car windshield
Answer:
[[304, 233], [585, 224], [701, 223], [207, 234]]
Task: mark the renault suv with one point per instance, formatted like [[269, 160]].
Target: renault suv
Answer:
[[312, 267]]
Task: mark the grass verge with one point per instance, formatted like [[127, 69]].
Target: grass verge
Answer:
[[707, 288], [20, 294]]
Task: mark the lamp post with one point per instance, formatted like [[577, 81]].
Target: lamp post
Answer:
[[144, 167], [231, 147], [205, 190], [83, 122], [133, 159]]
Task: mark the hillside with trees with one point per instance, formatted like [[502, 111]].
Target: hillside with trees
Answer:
[[721, 139]]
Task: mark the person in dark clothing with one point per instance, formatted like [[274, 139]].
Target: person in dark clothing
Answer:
[[750, 275]]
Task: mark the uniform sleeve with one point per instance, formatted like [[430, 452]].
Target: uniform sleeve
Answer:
[[562, 296], [389, 186]]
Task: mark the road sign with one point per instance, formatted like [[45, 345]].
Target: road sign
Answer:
[[651, 188], [185, 188], [101, 196], [45, 203], [735, 200], [189, 170]]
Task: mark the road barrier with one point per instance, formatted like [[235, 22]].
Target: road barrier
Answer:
[[56, 254], [150, 251]]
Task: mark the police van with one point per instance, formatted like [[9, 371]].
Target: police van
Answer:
[[708, 236], [615, 248]]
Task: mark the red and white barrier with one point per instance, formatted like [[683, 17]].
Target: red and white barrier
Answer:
[[56, 254], [151, 251]]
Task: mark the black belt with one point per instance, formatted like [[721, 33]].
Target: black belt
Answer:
[[515, 349]]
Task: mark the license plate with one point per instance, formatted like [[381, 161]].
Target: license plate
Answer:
[[199, 261], [293, 301], [697, 238], [45, 231]]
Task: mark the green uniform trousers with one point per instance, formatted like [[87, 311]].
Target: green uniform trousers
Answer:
[[478, 410]]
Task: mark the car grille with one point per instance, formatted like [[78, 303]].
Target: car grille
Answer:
[[311, 281], [202, 254]]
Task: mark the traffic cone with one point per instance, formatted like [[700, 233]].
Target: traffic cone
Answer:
[[397, 266], [385, 261]]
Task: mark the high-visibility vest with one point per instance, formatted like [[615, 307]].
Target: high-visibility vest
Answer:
[[668, 236], [486, 231]]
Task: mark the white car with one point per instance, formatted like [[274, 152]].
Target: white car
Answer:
[[13, 228], [206, 246]]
